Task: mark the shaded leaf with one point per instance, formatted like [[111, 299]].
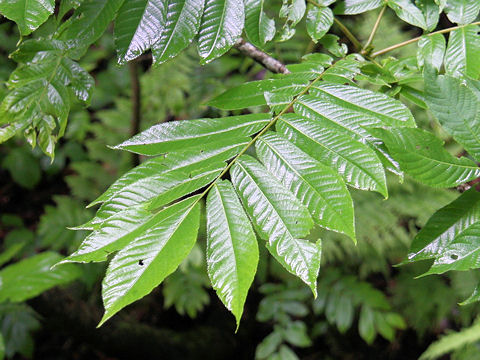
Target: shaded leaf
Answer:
[[422, 156], [32, 276]]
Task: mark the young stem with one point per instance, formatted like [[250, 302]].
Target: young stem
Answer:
[[414, 40], [356, 43], [374, 31], [255, 138]]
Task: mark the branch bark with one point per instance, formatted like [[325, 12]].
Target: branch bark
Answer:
[[261, 57]]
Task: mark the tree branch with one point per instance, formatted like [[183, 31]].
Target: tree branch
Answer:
[[261, 57], [414, 40]]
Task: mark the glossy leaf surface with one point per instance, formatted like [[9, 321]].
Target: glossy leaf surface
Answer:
[[222, 25], [144, 263], [28, 15], [232, 250], [279, 218], [422, 156], [319, 188]]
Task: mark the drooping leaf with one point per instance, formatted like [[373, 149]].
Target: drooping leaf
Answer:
[[319, 21], [28, 15], [408, 12], [355, 162], [182, 23], [463, 52], [457, 109], [177, 135], [279, 218], [422, 156], [353, 7], [319, 188], [30, 277], [144, 263], [222, 25], [258, 26], [462, 11], [366, 324], [138, 26], [431, 50], [232, 250]]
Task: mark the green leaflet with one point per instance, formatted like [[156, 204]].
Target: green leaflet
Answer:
[[452, 341], [156, 253], [252, 93], [431, 50], [182, 23], [408, 12], [318, 187], [30, 277], [383, 107], [28, 15], [457, 109], [346, 121], [213, 152], [463, 253], [319, 21], [462, 11], [222, 25], [177, 135], [422, 156], [156, 191], [40, 92], [353, 7], [258, 26], [355, 162], [279, 218], [88, 23], [463, 52], [445, 226], [431, 11], [138, 26], [232, 250]]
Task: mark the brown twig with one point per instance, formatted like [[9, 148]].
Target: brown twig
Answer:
[[261, 57], [136, 105]]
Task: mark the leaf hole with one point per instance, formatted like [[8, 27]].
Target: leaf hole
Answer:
[[201, 151], [454, 256], [296, 221], [140, 262]]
